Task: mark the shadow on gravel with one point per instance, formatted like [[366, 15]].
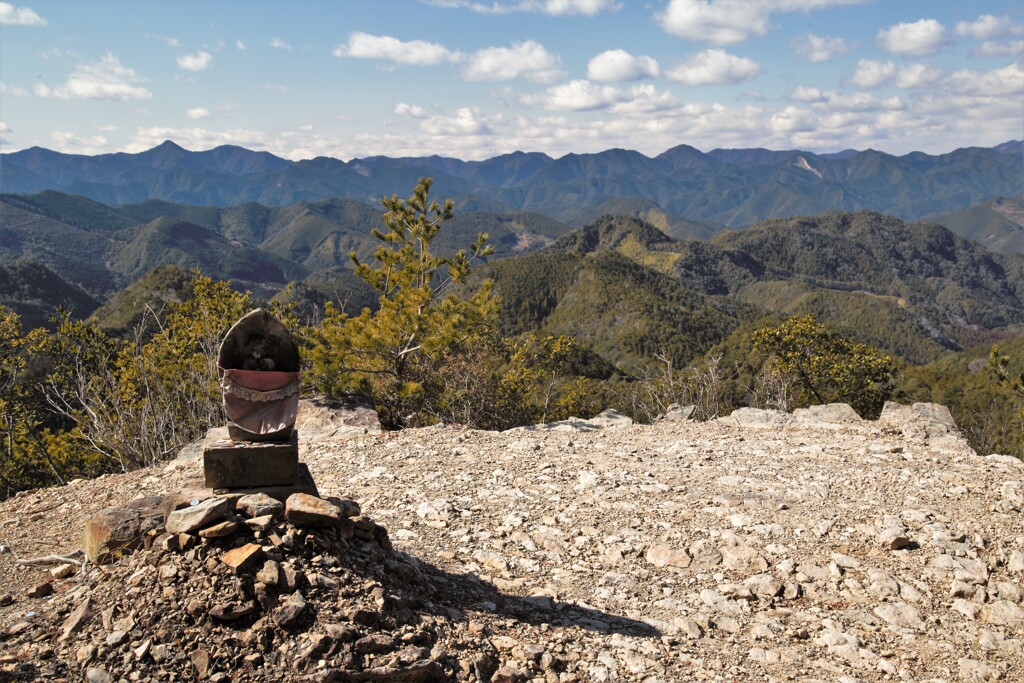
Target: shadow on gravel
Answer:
[[461, 592]]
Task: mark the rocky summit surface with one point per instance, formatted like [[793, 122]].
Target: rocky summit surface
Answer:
[[760, 546]]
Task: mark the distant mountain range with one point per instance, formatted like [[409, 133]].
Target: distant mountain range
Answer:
[[695, 193]]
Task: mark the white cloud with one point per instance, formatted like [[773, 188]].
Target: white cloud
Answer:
[[588, 8], [871, 74], [987, 27], [724, 22], [918, 76], [807, 94], [818, 49], [529, 60], [999, 48], [411, 110], [69, 142], [106, 79], [279, 43], [619, 65], [108, 128], [196, 138], [4, 129], [1005, 82], [644, 99], [582, 95], [792, 120], [917, 39], [558, 8], [198, 113], [412, 52], [19, 16], [15, 90], [239, 44], [276, 87], [713, 67], [465, 121], [577, 95], [199, 61]]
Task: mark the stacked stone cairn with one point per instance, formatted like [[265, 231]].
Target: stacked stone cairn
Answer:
[[249, 574]]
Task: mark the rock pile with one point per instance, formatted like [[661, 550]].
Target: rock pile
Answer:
[[243, 588]]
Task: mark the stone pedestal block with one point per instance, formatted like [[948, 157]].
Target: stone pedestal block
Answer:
[[231, 465]]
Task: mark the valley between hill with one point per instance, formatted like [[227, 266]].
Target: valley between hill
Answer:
[[758, 546]]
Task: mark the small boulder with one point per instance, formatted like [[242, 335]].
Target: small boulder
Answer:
[[661, 555], [239, 559], [259, 504], [120, 528], [306, 511], [290, 610]]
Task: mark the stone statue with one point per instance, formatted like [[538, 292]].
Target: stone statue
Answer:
[[259, 379]]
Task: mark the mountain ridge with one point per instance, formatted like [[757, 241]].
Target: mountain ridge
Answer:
[[733, 187]]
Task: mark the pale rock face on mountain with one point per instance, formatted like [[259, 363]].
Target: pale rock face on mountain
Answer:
[[758, 546]]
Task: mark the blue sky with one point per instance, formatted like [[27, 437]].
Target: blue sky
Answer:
[[473, 79]]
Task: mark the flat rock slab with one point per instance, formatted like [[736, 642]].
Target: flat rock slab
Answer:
[[189, 519], [246, 464], [304, 510], [243, 557]]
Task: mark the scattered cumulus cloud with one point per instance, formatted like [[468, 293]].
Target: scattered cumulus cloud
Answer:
[[411, 110], [529, 60], [713, 67], [871, 74], [4, 130], [999, 48], [987, 27], [239, 44], [197, 138], [198, 61], [198, 113], [19, 16], [807, 94], [16, 90], [279, 43], [619, 65], [818, 49], [582, 95], [1000, 35], [916, 39], [577, 95], [108, 128], [1007, 81], [465, 121], [276, 87], [388, 48], [918, 76], [69, 142], [105, 79], [725, 22], [557, 8]]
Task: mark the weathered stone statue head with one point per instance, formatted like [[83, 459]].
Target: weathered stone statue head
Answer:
[[259, 378]]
